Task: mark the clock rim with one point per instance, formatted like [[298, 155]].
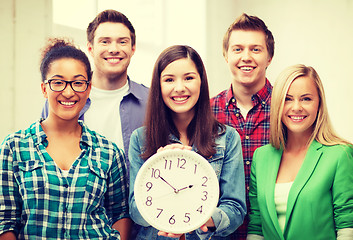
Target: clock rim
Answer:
[[160, 155]]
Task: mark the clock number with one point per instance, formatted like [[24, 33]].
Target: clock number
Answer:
[[168, 164], [187, 218], [205, 197], [199, 209], [156, 173], [149, 201], [204, 183], [149, 186], [172, 220], [181, 163], [160, 212], [195, 168]]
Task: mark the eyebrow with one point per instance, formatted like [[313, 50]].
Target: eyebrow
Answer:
[[303, 95], [119, 38], [60, 76], [171, 75]]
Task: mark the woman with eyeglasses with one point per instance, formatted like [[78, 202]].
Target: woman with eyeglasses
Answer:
[[58, 179]]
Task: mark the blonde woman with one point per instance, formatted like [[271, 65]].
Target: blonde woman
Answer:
[[301, 183]]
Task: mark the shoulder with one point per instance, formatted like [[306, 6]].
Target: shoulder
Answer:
[[219, 96], [228, 135], [230, 131], [23, 135], [339, 150], [98, 141], [138, 135], [266, 150], [139, 90]]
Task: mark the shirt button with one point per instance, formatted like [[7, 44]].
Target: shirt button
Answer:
[[237, 114], [247, 137], [247, 162], [233, 100], [66, 185], [247, 188]]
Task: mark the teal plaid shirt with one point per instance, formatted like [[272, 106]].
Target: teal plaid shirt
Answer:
[[37, 202]]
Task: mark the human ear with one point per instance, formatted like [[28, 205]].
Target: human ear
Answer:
[[44, 89], [90, 48]]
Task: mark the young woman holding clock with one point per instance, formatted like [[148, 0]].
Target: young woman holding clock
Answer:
[[179, 116]]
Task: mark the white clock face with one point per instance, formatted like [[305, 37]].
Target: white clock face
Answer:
[[176, 191]]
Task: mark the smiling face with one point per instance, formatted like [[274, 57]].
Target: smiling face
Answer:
[[111, 49], [247, 58], [180, 86], [66, 104], [301, 107]]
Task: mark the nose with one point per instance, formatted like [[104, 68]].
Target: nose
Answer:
[[113, 48], [179, 85], [68, 91], [297, 106], [246, 56]]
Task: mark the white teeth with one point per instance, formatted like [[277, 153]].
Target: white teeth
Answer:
[[113, 60], [67, 103], [297, 118], [180, 98], [246, 68]]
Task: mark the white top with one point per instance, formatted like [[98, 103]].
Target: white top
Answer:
[[103, 116], [281, 199]]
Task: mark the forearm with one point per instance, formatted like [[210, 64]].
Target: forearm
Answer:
[[8, 236], [123, 226]]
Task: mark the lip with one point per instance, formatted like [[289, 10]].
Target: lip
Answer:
[[246, 68], [297, 118], [113, 60], [180, 99], [68, 104]]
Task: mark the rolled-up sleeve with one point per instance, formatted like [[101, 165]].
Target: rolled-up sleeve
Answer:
[[116, 202], [10, 199], [342, 189]]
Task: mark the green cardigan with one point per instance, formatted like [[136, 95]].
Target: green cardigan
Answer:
[[320, 200]]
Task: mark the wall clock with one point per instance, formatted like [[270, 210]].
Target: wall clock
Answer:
[[176, 191]]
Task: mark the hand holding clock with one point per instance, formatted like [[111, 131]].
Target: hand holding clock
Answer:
[[190, 176], [204, 228]]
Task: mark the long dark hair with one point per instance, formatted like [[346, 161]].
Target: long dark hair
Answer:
[[203, 128]]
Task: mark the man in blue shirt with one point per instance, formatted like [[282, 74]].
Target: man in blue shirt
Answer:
[[116, 106]]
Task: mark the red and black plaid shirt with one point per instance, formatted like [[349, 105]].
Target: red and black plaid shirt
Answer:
[[254, 130]]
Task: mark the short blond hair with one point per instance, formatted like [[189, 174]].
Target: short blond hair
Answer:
[[323, 131]]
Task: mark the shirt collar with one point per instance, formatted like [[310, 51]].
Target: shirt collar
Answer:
[[38, 135], [261, 96], [134, 89]]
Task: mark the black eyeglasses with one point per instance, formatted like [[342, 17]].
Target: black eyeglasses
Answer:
[[58, 85]]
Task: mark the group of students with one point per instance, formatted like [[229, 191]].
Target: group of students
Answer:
[[285, 177]]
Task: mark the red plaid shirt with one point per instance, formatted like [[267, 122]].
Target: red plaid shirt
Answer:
[[254, 130]]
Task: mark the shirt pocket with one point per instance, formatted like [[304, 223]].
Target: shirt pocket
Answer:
[[216, 161], [31, 181], [96, 186]]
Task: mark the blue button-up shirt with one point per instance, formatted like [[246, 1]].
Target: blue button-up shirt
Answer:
[[38, 202], [229, 168]]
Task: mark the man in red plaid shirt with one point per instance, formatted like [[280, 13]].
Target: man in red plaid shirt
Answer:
[[248, 48]]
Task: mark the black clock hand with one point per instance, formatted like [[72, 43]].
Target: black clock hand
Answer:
[[175, 190], [190, 186]]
